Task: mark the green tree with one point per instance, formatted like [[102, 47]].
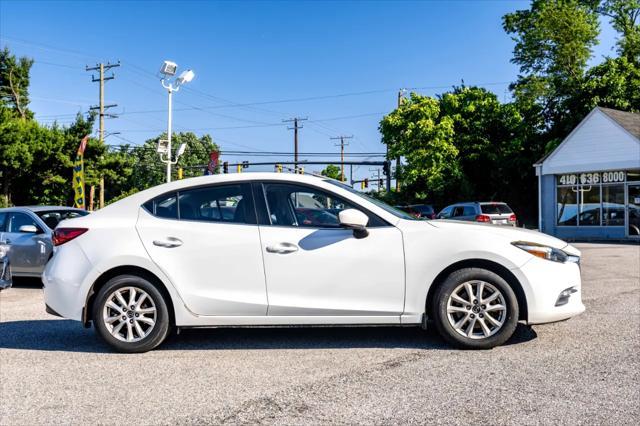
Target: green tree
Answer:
[[553, 43], [14, 83], [149, 171], [488, 137], [331, 171], [624, 16], [417, 132]]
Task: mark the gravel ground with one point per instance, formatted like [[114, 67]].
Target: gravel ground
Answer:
[[585, 370]]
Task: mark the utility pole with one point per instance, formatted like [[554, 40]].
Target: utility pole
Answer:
[[342, 145], [101, 68], [401, 93], [295, 128]]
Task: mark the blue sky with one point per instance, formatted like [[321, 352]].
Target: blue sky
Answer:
[[260, 52]]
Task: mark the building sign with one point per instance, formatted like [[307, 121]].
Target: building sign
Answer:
[[592, 178]]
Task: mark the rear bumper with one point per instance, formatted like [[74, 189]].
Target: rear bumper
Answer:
[[62, 279], [546, 282]]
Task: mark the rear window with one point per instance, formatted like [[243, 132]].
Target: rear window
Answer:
[[424, 209], [53, 217], [495, 208]]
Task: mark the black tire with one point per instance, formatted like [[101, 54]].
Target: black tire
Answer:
[[447, 330], [158, 332]]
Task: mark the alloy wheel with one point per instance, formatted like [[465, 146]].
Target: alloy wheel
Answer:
[[129, 314], [476, 309]]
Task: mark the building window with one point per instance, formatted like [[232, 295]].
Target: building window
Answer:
[[567, 205], [613, 205], [589, 205], [592, 199]]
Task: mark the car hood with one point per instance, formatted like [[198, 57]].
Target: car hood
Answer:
[[510, 233]]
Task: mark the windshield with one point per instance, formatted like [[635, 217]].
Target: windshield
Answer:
[[52, 217], [386, 207]]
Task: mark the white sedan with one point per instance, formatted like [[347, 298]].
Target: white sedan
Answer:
[[273, 249]]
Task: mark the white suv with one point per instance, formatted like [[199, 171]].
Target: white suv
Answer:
[[279, 249]]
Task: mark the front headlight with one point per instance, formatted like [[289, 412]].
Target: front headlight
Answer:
[[546, 252]]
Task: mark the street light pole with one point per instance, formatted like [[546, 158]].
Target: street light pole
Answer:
[[170, 90], [172, 85]]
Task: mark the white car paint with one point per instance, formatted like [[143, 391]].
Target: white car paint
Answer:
[[224, 274]]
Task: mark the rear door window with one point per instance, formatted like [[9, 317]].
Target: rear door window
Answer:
[[3, 217], [223, 203], [495, 208], [469, 211], [458, 211]]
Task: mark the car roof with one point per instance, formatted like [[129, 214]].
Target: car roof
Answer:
[[36, 209]]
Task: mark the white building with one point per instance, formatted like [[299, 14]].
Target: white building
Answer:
[[589, 186]]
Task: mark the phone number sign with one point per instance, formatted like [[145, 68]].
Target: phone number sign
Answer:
[[592, 178]]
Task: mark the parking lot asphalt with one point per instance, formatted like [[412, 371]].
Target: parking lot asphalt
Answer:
[[584, 370]]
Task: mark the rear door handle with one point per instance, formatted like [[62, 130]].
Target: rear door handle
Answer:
[[282, 248], [170, 242]]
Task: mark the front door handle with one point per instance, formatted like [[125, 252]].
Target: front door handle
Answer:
[[282, 248], [170, 242]]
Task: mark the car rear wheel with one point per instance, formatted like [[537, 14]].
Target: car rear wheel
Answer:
[[475, 309], [131, 314]]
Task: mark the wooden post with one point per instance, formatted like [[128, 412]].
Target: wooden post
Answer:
[[92, 194], [101, 191]]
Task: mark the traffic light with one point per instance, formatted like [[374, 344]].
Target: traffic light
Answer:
[[279, 168], [386, 168], [180, 173], [245, 164], [366, 182], [381, 183], [362, 185], [239, 168], [301, 170], [225, 167]]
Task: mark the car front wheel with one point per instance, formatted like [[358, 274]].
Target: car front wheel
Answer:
[[475, 309], [131, 314]]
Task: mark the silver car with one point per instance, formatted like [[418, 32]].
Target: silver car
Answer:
[[5, 269], [28, 232], [487, 212]]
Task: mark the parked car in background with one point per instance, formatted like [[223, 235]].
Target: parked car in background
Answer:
[[486, 212], [158, 259], [5, 269], [29, 231], [421, 211]]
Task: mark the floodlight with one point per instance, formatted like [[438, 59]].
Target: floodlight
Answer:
[[169, 68], [186, 77], [163, 146], [181, 149]]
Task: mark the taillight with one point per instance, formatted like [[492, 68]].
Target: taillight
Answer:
[[512, 218], [64, 235], [483, 218]]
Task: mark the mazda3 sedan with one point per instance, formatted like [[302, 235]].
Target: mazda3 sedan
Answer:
[[274, 249]]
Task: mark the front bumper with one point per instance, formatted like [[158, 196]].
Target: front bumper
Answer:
[[546, 282], [5, 272]]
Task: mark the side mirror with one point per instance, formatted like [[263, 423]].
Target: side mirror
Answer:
[[30, 229], [356, 220]]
